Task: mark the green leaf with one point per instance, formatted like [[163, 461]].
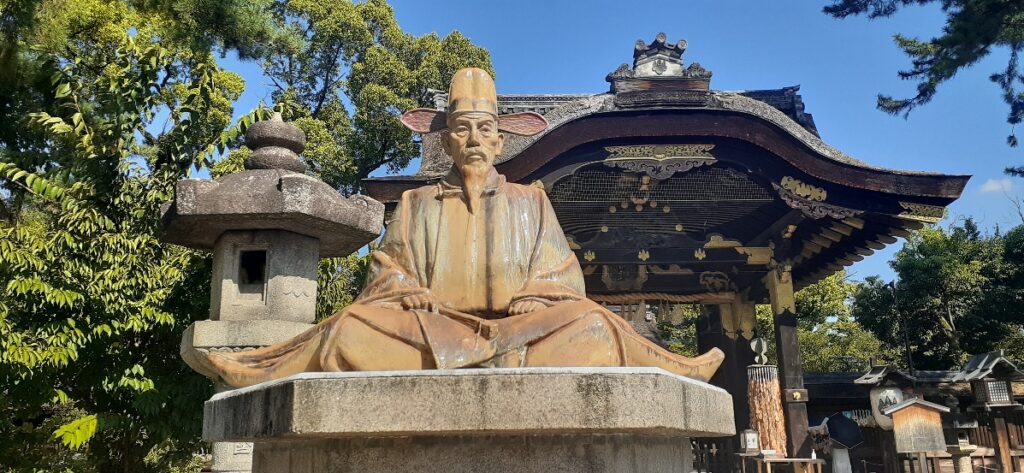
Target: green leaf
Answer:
[[76, 433]]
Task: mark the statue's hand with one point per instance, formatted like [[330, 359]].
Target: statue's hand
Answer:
[[425, 301], [525, 307]]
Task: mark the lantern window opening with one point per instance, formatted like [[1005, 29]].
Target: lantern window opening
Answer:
[[252, 272]]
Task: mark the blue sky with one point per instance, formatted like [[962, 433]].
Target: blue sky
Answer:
[[841, 65]]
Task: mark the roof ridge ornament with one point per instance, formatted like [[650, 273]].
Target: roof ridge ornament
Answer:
[[659, 77]]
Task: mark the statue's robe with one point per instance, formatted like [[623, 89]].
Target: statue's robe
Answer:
[[476, 264]]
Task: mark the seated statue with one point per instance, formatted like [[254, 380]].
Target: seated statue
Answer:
[[472, 272]]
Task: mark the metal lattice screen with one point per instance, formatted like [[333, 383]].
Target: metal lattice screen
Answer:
[[695, 202]]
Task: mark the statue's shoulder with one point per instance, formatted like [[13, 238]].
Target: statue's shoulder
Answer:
[[526, 190], [428, 191]]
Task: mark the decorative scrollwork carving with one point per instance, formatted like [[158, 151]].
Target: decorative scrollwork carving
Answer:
[[814, 209], [715, 281], [718, 241], [622, 277], [803, 189], [660, 161], [756, 254], [922, 212]]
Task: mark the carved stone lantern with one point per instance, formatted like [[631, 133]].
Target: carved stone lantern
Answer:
[[268, 226]]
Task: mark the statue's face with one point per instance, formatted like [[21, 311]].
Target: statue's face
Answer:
[[473, 140]]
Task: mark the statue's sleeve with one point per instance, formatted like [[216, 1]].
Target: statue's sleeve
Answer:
[[555, 274], [392, 272]]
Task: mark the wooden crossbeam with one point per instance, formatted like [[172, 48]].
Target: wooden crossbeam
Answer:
[[863, 251], [854, 222], [831, 235], [842, 228], [899, 232], [875, 245], [821, 241]]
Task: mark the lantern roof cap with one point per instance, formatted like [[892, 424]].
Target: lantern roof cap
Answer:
[[993, 364], [879, 374]]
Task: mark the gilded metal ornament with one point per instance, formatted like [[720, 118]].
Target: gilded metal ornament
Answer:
[[660, 161], [922, 212]]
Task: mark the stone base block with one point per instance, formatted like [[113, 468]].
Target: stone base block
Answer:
[[598, 453], [222, 334], [502, 420]]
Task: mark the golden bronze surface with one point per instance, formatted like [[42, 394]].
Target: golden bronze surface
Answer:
[[472, 272]]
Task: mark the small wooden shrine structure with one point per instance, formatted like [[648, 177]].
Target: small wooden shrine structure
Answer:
[[672, 192]]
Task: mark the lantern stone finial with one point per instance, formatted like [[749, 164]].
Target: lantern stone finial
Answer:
[[276, 144]]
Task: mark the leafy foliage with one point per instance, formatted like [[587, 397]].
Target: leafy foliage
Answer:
[[103, 106], [973, 29], [107, 115], [830, 338], [957, 294], [350, 70]]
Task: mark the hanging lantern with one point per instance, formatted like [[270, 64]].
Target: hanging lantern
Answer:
[[889, 386], [990, 375]]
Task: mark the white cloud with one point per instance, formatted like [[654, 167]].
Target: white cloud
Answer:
[[997, 185]]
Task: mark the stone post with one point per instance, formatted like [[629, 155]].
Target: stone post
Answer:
[[268, 226], [779, 282]]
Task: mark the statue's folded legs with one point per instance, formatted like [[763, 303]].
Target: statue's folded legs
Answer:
[[376, 338]]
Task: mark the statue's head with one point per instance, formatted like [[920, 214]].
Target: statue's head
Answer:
[[471, 128]]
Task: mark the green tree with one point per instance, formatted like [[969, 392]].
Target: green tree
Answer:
[[110, 105], [349, 71], [953, 296], [830, 338], [103, 107], [973, 29]]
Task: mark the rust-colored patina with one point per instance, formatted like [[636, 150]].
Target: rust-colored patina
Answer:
[[473, 272]]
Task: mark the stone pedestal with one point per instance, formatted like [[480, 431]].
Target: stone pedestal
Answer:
[[479, 420]]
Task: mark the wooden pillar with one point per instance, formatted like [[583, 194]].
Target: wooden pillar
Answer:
[[1002, 443], [711, 334], [724, 326], [779, 282]]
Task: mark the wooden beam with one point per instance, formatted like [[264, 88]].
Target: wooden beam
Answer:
[[854, 222], [899, 232], [887, 239], [853, 257], [863, 251], [875, 245], [834, 236], [844, 261], [793, 217], [821, 241], [842, 228], [911, 224]]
